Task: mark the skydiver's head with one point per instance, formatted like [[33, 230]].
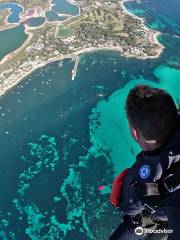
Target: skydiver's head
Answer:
[[152, 116]]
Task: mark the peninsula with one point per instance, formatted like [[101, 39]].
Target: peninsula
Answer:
[[101, 24]]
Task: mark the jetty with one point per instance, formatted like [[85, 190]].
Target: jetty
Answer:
[[74, 71]]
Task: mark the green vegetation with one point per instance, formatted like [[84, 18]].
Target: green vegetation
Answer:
[[101, 24], [98, 22], [63, 33]]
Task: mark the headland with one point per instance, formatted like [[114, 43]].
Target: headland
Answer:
[[100, 25]]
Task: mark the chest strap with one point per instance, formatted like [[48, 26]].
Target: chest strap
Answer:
[[152, 193], [168, 184]]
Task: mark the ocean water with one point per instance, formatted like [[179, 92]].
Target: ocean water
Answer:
[[168, 19], [61, 139]]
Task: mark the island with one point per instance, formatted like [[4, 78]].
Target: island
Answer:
[[100, 24]]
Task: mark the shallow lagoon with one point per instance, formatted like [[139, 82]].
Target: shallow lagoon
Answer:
[[53, 16], [15, 11], [64, 7], [61, 7], [11, 39], [35, 21]]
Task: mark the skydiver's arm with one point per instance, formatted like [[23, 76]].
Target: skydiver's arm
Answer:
[[117, 186], [120, 196]]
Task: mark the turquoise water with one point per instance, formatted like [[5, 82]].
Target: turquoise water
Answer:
[[11, 39], [64, 7], [168, 19], [62, 139], [15, 11]]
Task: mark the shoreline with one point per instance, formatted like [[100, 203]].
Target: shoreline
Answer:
[[156, 33], [72, 2], [68, 56], [9, 55], [21, 21], [82, 51], [11, 12], [12, 25]]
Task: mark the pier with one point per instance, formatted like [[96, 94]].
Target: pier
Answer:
[[74, 71]]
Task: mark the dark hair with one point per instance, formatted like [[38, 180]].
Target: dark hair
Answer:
[[152, 111]]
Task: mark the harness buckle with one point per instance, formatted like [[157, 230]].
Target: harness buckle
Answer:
[[149, 209], [171, 183]]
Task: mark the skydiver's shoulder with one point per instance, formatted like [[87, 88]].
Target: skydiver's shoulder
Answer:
[[139, 160]]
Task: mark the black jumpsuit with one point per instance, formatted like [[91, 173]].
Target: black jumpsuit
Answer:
[[152, 167]]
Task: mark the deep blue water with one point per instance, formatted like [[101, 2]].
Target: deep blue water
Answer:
[[168, 19], [15, 9], [52, 160]]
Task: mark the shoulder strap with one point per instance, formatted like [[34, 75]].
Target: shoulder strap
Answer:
[[153, 194], [171, 182]]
